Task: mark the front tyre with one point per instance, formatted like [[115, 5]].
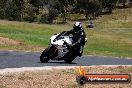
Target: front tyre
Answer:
[[44, 58]]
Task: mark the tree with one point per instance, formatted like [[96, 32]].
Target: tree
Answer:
[[13, 9], [108, 5], [89, 7], [123, 2], [2, 8], [52, 12], [58, 7], [62, 7], [31, 14], [36, 3], [2, 3]]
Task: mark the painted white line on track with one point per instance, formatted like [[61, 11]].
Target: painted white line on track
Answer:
[[23, 69]]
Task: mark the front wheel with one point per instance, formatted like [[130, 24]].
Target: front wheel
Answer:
[[44, 58]]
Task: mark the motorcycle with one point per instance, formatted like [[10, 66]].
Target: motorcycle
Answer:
[[59, 49]]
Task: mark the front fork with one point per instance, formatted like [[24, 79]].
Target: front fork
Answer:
[[53, 51]]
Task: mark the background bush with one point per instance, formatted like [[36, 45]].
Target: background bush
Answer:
[[46, 11]]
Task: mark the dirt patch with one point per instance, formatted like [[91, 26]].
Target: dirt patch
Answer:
[[60, 78], [8, 41]]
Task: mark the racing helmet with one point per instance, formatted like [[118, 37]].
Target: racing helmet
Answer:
[[77, 27]]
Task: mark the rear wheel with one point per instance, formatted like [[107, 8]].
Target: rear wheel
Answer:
[[44, 58], [69, 59]]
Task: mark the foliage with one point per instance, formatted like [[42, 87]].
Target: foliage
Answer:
[[108, 5], [89, 7], [46, 11], [13, 9], [1, 13]]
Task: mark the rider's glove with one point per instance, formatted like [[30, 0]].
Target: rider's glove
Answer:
[[68, 45]]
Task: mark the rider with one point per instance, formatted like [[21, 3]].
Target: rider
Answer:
[[78, 37]]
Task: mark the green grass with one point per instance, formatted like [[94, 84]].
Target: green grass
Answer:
[[33, 36], [112, 35], [116, 43]]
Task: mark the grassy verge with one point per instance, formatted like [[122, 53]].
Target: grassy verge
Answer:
[[33, 36], [61, 78], [112, 35]]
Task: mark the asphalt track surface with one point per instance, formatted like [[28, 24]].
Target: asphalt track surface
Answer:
[[15, 59]]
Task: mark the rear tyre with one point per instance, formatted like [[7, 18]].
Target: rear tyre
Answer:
[[44, 58], [69, 59]]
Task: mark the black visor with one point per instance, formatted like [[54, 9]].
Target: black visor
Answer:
[[76, 29]]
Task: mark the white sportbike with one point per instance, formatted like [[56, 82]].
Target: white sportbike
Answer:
[[59, 49]]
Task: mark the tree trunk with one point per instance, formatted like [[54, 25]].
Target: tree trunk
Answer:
[[124, 3], [64, 16]]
